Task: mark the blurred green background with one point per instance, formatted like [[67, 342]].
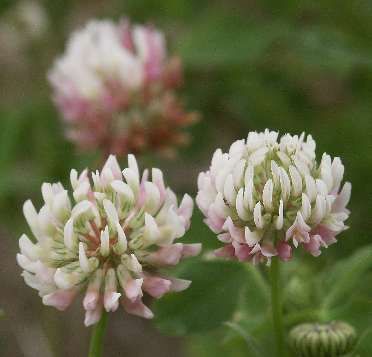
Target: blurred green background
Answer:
[[287, 65]]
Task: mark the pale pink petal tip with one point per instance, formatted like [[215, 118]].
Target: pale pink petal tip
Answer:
[[284, 251], [60, 299], [185, 210], [156, 286], [242, 252], [178, 285], [227, 251], [111, 301], [169, 255], [91, 299], [133, 289], [191, 250], [137, 308], [93, 316], [313, 247]]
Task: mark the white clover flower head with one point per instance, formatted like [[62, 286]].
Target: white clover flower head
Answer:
[[267, 195], [115, 87], [108, 240]]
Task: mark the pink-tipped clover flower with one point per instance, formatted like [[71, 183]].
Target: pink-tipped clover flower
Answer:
[[268, 195], [108, 240], [116, 88]]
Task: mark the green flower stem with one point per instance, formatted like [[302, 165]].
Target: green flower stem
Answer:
[[276, 305], [96, 340]]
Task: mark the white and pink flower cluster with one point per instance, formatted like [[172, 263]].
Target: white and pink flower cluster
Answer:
[[266, 196], [115, 87], [108, 240]]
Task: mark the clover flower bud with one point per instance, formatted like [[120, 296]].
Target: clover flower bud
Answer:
[[333, 339]]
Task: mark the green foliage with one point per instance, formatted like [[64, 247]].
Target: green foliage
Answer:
[[200, 233], [5, 5], [337, 292], [346, 276], [215, 345], [290, 66], [364, 345], [211, 299]]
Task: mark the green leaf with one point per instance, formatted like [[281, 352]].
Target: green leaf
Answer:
[[251, 342], [216, 42], [11, 122], [328, 49], [255, 300], [345, 275], [199, 232], [211, 299], [354, 308], [252, 321], [364, 345], [5, 5], [214, 344]]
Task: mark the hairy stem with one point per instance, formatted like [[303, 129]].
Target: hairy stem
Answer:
[[98, 333]]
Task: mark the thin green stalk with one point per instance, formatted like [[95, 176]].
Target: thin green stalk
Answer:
[[276, 305], [96, 340]]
